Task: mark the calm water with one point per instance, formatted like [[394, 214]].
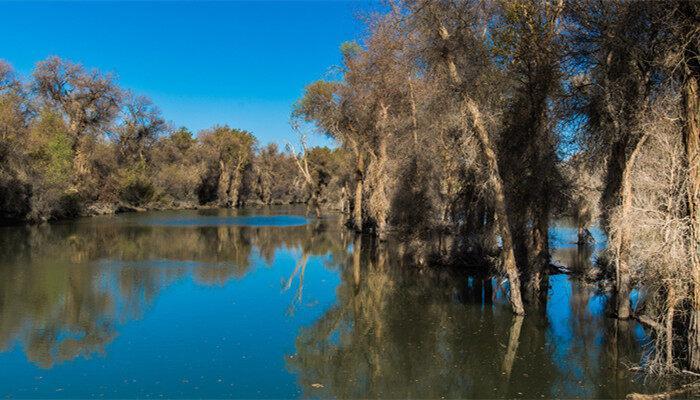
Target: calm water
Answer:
[[270, 304]]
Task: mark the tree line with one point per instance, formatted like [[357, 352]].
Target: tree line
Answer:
[[478, 123], [72, 142]]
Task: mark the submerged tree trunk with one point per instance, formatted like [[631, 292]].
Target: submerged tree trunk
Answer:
[[622, 242], [500, 206], [491, 164]]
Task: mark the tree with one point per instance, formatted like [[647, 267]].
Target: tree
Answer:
[[472, 115], [528, 45], [15, 190], [88, 100], [614, 42], [229, 151], [141, 126]]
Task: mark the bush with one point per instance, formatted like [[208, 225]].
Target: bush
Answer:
[[137, 192], [134, 186]]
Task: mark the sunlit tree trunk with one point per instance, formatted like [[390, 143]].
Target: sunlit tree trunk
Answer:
[[691, 138], [500, 205], [491, 164], [359, 183], [224, 185], [379, 201], [235, 186], [80, 157], [622, 240]]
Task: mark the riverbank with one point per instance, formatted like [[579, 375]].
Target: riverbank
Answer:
[[114, 208]]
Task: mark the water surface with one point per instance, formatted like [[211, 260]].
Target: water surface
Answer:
[[268, 303]]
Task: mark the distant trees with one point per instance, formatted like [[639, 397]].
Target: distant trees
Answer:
[[74, 143], [324, 173], [181, 167]]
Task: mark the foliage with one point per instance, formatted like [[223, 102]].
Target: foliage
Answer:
[[76, 143]]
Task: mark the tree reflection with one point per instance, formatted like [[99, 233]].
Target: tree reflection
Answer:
[[404, 332], [395, 329], [65, 288]]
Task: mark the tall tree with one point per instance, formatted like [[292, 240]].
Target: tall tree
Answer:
[[614, 45], [89, 100], [528, 46]]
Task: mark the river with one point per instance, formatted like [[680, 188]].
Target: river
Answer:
[[268, 303]]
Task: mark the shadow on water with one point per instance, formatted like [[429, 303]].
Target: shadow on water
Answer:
[[216, 303]]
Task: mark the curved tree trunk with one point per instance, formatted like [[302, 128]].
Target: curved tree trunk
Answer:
[[491, 162]]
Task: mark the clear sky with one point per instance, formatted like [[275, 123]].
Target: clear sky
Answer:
[[203, 63]]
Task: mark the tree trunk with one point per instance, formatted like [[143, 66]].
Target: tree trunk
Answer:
[[491, 162], [500, 206], [668, 334], [235, 187], [381, 203], [581, 221], [344, 199], [623, 272], [357, 205], [414, 113], [224, 186], [540, 231], [691, 138]]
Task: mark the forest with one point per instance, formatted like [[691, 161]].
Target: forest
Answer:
[[464, 128]]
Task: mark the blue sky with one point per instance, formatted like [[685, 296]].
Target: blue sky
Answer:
[[202, 63]]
